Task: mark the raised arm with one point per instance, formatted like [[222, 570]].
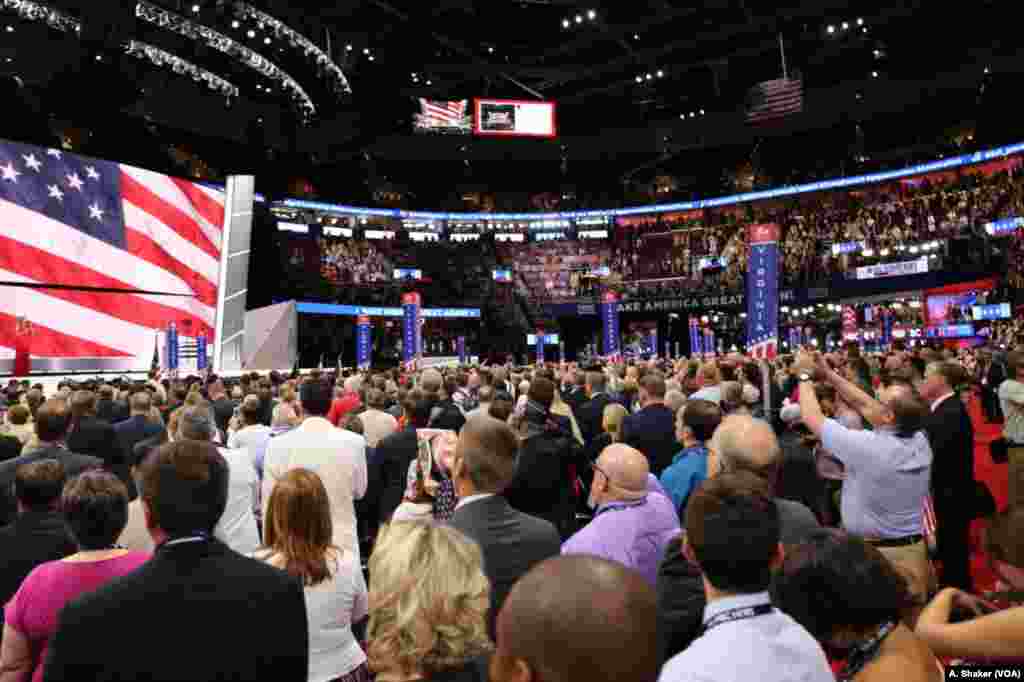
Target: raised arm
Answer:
[[848, 391]]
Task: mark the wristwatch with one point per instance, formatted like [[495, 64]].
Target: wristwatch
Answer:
[[804, 376]]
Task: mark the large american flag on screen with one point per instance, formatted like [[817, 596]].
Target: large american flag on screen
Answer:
[[774, 99], [131, 251], [442, 114]]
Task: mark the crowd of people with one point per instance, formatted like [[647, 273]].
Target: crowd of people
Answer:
[[691, 519], [354, 261]]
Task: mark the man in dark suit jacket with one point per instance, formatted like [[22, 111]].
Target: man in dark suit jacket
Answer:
[[133, 430], [39, 534], [391, 468], [512, 542], [652, 430], [52, 421], [591, 413], [91, 435], [108, 409], [576, 393], [951, 435], [245, 619]]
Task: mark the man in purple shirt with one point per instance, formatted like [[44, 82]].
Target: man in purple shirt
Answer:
[[631, 525]]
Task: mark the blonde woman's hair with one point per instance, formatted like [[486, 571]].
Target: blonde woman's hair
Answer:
[[612, 418], [428, 602]]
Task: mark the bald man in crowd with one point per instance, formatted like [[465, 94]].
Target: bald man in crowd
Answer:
[[512, 542], [631, 525], [577, 619]]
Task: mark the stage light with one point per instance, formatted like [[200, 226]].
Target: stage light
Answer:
[[10, 29], [235, 24], [860, 21], [913, 249], [266, 41], [883, 252], [591, 14], [693, 114], [348, 48], [831, 28], [195, 9], [648, 76], [579, 18], [701, 112], [251, 33], [846, 25], [565, 23], [987, 70], [490, 50], [366, 50], [639, 79], [682, 115], [660, 73], [877, 53], [868, 253], [874, 74], [430, 82], [370, 57], [636, 36]]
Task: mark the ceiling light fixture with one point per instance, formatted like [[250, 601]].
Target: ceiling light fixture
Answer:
[[846, 25], [860, 21], [195, 9], [591, 14], [235, 24], [267, 41], [579, 18], [660, 73], [648, 76], [156, 15], [348, 48], [163, 58], [430, 82], [566, 23], [874, 74], [490, 50], [701, 112], [639, 79], [831, 28], [251, 33], [370, 57], [636, 36]]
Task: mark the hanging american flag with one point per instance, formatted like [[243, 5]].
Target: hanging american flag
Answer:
[[97, 229], [442, 116], [775, 99]]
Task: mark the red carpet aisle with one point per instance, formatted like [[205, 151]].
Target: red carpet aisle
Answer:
[[995, 477]]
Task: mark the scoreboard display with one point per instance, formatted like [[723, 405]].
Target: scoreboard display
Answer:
[[513, 118]]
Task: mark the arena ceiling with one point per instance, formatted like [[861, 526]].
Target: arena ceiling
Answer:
[[897, 70]]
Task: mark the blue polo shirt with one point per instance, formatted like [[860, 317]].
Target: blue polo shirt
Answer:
[[688, 470]]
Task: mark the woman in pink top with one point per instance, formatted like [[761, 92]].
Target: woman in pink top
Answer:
[[95, 509]]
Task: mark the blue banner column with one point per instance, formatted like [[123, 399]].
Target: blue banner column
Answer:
[[460, 347], [561, 351], [363, 344], [652, 342], [763, 291], [540, 346], [410, 322], [610, 324], [201, 359], [171, 361], [696, 347]]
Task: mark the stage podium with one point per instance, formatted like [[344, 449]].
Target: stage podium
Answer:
[[271, 338]]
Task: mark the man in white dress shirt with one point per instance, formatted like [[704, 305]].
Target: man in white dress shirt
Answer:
[[237, 525], [732, 535], [336, 455]]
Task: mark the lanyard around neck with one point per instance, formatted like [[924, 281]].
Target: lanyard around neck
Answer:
[[741, 613]]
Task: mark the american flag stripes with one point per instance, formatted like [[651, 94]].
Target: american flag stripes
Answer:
[[774, 99], [131, 251], [435, 115]]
